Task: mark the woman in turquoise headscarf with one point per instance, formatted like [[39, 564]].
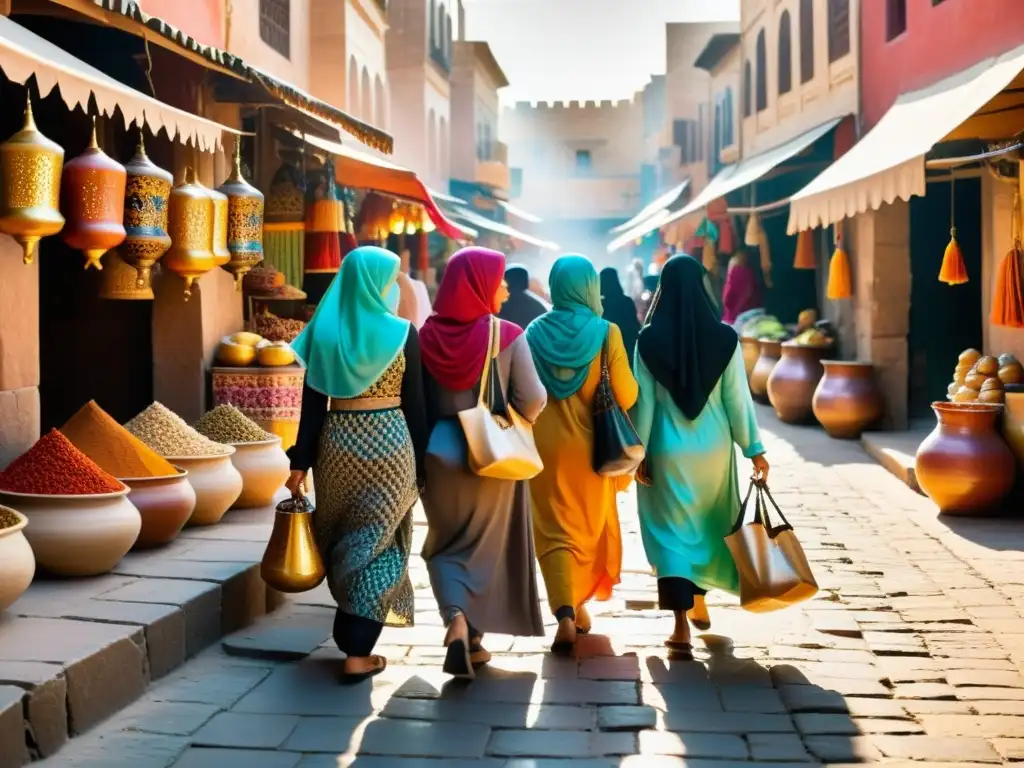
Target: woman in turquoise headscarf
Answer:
[[576, 524], [363, 429]]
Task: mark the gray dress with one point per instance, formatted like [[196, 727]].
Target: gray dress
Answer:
[[479, 548]]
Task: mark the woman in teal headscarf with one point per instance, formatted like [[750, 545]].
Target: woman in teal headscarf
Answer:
[[363, 429], [576, 524]]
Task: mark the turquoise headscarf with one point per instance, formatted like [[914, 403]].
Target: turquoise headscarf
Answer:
[[566, 340], [354, 334]]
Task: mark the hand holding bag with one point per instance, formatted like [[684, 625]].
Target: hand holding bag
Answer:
[[500, 441], [773, 569], [292, 562], [618, 449]]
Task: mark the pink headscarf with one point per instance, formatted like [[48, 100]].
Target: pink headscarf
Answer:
[[741, 292]]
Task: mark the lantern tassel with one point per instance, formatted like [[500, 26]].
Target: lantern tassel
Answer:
[[1008, 299], [953, 271], [839, 281], [805, 258]]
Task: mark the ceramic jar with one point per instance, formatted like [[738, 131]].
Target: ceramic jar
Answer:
[[146, 199], [793, 380], [30, 168], [190, 223], [165, 505], [751, 351], [17, 563], [216, 483], [770, 352], [245, 220], [78, 535], [264, 467], [847, 400], [964, 466]]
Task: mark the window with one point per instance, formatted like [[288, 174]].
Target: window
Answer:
[[728, 137], [762, 72], [698, 153], [687, 135], [785, 54], [275, 25], [806, 40], [895, 18], [448, 36], [748, 88], [838, 29], [583, 161], [432, 25]]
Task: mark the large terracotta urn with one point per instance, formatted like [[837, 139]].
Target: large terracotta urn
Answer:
[[751, 351], [793, 380], [770, 352], [964, 466], [847, 400]]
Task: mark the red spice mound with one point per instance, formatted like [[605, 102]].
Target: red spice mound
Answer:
[[53, 466]]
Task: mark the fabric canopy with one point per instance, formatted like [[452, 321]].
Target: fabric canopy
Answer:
[[747, 171], [889, 162], [662, 202], [24, 54], [482, 222], [637, 231], [519, 213]]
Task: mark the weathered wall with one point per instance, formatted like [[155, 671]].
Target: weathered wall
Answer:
[[19, 352]]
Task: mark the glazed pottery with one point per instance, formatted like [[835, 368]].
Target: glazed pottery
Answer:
[[78, 535], [1013, 422], [847, 400], [165, 504], [17, 563], [245, 220], [216, 482], [264, 467], [191, 224], [770, 351], [751, 351], [145, 214], [963, 465], [793, 380]]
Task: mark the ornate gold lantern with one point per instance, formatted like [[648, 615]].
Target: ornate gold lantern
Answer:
[[92, 196], [145, 214], [244, 221], [190, 223], [221, 254], [120, 281], [30, 168]]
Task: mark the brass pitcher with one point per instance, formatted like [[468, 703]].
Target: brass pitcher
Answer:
[[292, 562]]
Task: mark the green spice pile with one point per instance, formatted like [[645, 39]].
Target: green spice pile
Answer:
[[54, 467], [227, 424], [167, 433], [8, 519]]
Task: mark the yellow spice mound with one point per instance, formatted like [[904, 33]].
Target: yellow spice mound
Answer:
[[116, 450]]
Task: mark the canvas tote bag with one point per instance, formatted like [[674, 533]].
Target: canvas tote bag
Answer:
[[618, 449], [500, 442]]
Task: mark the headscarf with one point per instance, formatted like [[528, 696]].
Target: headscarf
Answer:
[[741, 291], [567, 339], [454, 339], [523, 305], [619, 309], [684, 345], [354, 335]]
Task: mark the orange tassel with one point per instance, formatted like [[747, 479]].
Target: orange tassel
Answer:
[[710, 256], [1008, 299], [839, 281], [805, 258], [953, 271]]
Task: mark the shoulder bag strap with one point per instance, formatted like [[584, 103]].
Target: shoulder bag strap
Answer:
[[492, 345]]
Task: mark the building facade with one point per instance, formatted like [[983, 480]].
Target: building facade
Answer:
[[478, 157]]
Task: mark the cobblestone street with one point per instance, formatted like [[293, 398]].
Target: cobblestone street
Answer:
[[913, 651]]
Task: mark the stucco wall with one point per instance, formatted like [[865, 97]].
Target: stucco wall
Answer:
[[244, 40], [202, 19]]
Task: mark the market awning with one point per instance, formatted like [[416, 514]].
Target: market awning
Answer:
[[889, 162], [482, 222], [519, 213], [640, 230], [24, 54], [662, 202], [747, 171], [443, 198], [361, 169]]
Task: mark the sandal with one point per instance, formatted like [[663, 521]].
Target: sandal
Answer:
[[354, 678], [478, 655], [457, 660], [679, 651], [564, 647], [583, 621], [698, 615]]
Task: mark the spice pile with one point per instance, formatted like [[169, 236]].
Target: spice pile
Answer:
[[227, 424], [274, 328], [167, 433], [116, 450], [53, 466], [8, 519]]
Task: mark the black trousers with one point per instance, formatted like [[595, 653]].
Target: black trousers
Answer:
[[355, 635], [676, 594]]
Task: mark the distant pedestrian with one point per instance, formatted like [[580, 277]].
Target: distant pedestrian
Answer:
[[619, 309], [741, 292], [643, 304], [479, 549], [694, 406], [363, 429], [523, 305], [576, 522]]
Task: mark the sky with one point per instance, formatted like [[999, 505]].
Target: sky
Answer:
[[572, 50]]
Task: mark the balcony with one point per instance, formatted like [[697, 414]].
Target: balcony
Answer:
[[492, 167]]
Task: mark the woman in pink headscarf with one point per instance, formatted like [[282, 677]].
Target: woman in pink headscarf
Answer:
[[741, 292]]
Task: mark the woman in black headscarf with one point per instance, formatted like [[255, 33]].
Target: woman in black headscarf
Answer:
[[619, 309], [694, 407], [522, 306]]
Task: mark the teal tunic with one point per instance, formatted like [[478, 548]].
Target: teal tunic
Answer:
[[694, 497]]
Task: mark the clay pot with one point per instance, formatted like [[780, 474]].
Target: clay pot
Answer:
[[1013, 422], [751, 351], [216, 482], [847, 400], [793, 380], [770, 352], [963, 465], [165, 504], [17, 563], [78, 535], [264, 467]]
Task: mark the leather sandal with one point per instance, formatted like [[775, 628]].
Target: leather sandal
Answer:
[[354, 678], [457, 660], [698, 615]]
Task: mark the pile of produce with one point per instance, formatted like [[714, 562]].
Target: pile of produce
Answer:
[[227, 424], [263, 279], [114, 449], [7, 518], [762, 326], [167, 433], [243, 349], [54, 467], [983, 378], [274, 328], [823, 334]]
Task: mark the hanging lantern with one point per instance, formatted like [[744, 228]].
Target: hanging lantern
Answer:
[[30, 168], [374, 219], [92, 196], [244, 220], [145, 215], [190, 223], [121, 281], [221, 254]]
